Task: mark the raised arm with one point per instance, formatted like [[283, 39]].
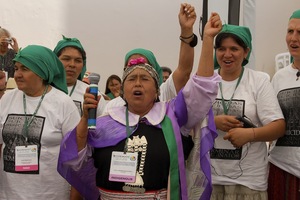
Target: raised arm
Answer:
[[211, 29], [204, 87], [187, 18]]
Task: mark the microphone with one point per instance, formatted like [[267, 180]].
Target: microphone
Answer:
[[94, 79]]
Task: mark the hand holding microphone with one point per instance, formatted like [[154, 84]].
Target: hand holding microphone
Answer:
[[94, 79]]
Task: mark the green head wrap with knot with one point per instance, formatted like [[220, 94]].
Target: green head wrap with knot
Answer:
[[243, 33], [150, 57], [44, 63], [72, 42]]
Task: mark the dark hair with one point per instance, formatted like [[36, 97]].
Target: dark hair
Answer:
[[112, 77], [83, 54], [222, 36], [166, 69]]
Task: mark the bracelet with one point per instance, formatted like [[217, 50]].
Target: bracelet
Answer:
[[254, 136], [192, 43], [181, 37]]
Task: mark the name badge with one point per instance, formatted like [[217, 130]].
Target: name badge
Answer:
[[123, 167], [26, 158]]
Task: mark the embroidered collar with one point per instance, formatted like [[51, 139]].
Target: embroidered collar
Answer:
[[154, 117]]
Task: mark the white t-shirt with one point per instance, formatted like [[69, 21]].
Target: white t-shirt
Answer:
[[56, 116], [167, 92], [248, 166], [77, 96], [285, 152]]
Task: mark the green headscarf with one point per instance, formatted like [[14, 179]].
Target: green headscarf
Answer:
[[150, 57], [72, 42], [243, 33], [295, 15], [44, 63]]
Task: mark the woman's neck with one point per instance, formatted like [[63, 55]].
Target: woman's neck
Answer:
[[140, 112], [296, 65], [38, 92], [71, 83], [2, 52], [230, 76]]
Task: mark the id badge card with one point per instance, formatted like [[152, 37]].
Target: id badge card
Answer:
[[26, 158], [123, 167]]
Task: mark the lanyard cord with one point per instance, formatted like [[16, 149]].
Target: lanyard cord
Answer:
[[27, 123], [226, 108], [127, 131], [73, 88]]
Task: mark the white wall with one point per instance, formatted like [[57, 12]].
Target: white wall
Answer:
[[110, 28], [271, 25]]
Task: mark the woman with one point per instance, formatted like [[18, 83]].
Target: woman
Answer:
[[285, 152], [113, 86], [34, 118], [7, 54], [166, 72], [73, 57], [239, 157], [138, 129], [72, 54]]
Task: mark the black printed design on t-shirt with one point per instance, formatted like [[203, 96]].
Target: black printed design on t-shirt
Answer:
[[237, 108], [12, 137], [289, 103]]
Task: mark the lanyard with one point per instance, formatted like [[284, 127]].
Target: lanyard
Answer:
[[226, 108], [127, 131], [27, 123], [73, 89]]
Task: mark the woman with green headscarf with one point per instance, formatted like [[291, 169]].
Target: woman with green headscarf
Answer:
[[247, 114], [73, 57], [284, 176], [34, 118]]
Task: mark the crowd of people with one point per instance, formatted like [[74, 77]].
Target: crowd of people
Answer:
[[159, 134]]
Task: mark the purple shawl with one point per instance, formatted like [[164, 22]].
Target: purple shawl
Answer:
[[109, 132]]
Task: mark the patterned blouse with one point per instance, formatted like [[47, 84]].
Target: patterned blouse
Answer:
[[7, 64]]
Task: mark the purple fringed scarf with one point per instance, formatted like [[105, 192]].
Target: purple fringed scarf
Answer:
[[181, 120], [208, 135]]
